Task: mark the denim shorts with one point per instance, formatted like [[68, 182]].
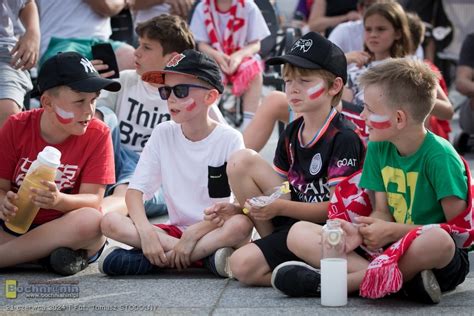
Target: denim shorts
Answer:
[[126, 161], [14, 84]]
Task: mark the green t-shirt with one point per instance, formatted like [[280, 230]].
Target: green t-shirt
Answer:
[[415, 184]]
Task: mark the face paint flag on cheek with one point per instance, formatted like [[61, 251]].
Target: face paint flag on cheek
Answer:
[[189, 105], [379, 121], [64, 117], [315, 91]]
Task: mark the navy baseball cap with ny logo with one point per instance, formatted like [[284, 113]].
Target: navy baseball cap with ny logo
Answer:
[[313, 51], [75, 71]]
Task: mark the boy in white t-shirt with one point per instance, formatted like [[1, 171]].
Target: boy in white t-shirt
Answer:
[[139, 108], [187, 157]]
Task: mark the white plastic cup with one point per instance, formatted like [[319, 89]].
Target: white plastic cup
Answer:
[[334, 282]]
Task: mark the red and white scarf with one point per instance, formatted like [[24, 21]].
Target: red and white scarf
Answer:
[[383, 275], [232, 40]]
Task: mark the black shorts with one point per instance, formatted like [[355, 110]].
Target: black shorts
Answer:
[[455, 272], [274, 247]]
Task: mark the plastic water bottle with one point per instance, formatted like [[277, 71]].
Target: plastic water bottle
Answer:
[[333, 265], [43, 168]]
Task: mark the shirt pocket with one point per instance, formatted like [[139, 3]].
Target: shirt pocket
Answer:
[[217, 182]]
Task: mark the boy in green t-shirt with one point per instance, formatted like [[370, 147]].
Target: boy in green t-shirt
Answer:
[[417, 179]]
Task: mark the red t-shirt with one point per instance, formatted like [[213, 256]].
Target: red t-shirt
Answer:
[[84, 159]]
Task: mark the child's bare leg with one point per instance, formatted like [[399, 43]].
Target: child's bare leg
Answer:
[[251, 99], [79, 229], [249, 266], [121, 228], [234, 233], [116, 201], [434, 249], [250, 175], [274, 108], [5, 237]]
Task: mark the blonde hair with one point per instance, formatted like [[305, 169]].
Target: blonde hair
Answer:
[[328, 77], [407, 83], [393, 13]]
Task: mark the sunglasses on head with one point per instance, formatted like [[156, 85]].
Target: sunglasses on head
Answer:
[[180, 90]]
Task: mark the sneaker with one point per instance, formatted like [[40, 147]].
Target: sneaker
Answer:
[[297, 279], [65, 261], [218, 262], [423, 288], [119, 261]]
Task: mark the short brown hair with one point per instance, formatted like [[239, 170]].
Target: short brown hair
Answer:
[[394, 13], [170, 30], [407, 83], [328, 77]]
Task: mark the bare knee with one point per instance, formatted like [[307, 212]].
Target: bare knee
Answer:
[[110, 225], [240, 162], [237, 230], [299, 235], [87, 223], [244, 266]]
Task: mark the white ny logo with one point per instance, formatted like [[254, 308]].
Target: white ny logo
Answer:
[[87, 65]]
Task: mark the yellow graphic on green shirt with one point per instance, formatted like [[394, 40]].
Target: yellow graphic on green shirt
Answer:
[[400, 187]]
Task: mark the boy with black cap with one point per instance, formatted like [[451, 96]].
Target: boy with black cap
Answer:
[[187, 157], [66, 231], [314, 153]]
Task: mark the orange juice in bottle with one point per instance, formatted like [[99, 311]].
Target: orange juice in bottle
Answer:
[[43, 168]]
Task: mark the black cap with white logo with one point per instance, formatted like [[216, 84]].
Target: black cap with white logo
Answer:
[[192, 63], [313, 51], [75, 71]]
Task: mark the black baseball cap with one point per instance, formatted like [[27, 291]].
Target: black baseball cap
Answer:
[[313, 51], [75, 71], [192, 63]]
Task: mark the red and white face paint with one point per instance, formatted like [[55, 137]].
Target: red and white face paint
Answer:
[[189, 104], [64, 117], [315, 91], [379, 121]]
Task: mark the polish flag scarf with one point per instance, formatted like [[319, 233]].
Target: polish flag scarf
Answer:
[[383, 275], [232, 40]]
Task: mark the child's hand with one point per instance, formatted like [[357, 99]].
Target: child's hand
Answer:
[[353, 236], [223, 60], [234, 62], [220, 212], [360, 58], [8, 209], [100, 66], [263, 213], [48, 198], [26, 51], [152, 249], [180, 256], [375, 232]]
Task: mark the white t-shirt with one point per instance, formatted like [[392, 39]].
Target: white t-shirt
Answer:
[[139, 108], [9, 17], [255, 27], [140, 16], [191, 174], [70, 19], [349, 36]]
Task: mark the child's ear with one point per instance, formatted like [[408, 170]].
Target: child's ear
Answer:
[[336, 87], [211, 96], [45, 101], [402, 118]]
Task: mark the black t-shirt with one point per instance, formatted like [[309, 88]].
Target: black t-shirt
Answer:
[[335, 153], [466, 58]]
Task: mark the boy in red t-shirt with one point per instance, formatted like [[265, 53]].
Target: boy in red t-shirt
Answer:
[[65, 234]]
